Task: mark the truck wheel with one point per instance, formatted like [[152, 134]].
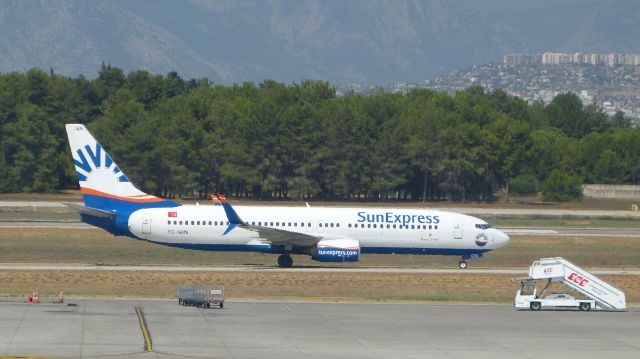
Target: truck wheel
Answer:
[[585, 306], [535, 305], [221, 305]]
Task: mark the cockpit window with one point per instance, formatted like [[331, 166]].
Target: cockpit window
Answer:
[[483, 226]]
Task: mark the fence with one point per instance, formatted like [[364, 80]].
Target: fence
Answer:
[[601, 191]]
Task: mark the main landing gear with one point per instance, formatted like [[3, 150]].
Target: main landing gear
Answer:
[[285, 261], [462, 264]]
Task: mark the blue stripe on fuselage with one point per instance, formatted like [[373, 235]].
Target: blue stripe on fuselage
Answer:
[[420, 251], [363, 250]]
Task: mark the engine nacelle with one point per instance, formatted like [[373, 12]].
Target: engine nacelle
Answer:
[[336, 250]]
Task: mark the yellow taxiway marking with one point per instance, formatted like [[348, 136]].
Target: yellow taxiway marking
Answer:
[[145, 331]]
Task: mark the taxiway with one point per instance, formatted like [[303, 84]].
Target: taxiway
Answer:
[[108, 328]]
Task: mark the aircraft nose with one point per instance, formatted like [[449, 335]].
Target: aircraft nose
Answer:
[[501, 239]]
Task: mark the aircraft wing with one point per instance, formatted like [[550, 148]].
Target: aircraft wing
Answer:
[[269, 235], [282, 237]]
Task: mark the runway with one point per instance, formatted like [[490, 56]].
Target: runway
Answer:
[[512, 231], [308, 269], [482, 212], [111, 328]]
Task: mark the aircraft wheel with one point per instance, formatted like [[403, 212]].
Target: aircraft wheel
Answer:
[[285, 261], [462, 264], [535, 305]]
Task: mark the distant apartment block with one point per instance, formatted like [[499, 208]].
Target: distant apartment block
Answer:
[[557, 58], [519, 59]]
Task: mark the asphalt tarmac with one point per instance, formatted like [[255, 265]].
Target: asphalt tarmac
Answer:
[[113, 328]]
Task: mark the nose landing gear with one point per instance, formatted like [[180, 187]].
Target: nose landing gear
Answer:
[[463, 264]]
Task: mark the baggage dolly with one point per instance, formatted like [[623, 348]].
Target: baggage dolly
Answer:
[[200, 296]]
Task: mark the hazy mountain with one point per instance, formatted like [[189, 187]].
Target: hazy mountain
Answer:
[[611, 27], [365, 41], [568, 25]]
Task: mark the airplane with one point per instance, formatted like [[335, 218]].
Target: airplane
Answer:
[[113, 203]]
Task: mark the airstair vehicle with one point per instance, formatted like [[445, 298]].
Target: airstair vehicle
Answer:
[[600, 294]]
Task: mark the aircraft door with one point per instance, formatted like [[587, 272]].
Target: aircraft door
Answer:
[[457, 229], [146, 223]]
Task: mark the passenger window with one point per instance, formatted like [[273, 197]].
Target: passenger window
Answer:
[[337, 224], [394, 226], [369, 225], [413, 226], [198, 222], [331, 224], [429, 226], [436, 227], [169, 222], [175, 222], [209, 222], [192, 223]]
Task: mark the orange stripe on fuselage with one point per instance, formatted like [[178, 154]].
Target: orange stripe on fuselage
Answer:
[[128, 199]]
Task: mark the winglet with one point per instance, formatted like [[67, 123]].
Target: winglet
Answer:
[[216, 201], [232, 216]]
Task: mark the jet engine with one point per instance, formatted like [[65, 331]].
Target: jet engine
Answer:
[[336, 250]]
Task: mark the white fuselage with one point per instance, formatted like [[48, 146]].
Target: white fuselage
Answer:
[[417, 231]]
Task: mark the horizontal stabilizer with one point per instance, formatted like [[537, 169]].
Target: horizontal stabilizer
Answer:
[[89, 211]]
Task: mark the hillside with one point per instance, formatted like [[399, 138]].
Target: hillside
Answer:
[[358, 41]]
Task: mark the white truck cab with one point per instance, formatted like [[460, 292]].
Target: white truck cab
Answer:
[[526, 298]]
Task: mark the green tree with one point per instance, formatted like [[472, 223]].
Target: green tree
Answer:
[[561, 187]]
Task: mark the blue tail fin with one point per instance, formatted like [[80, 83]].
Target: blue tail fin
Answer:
[[103, 184]]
